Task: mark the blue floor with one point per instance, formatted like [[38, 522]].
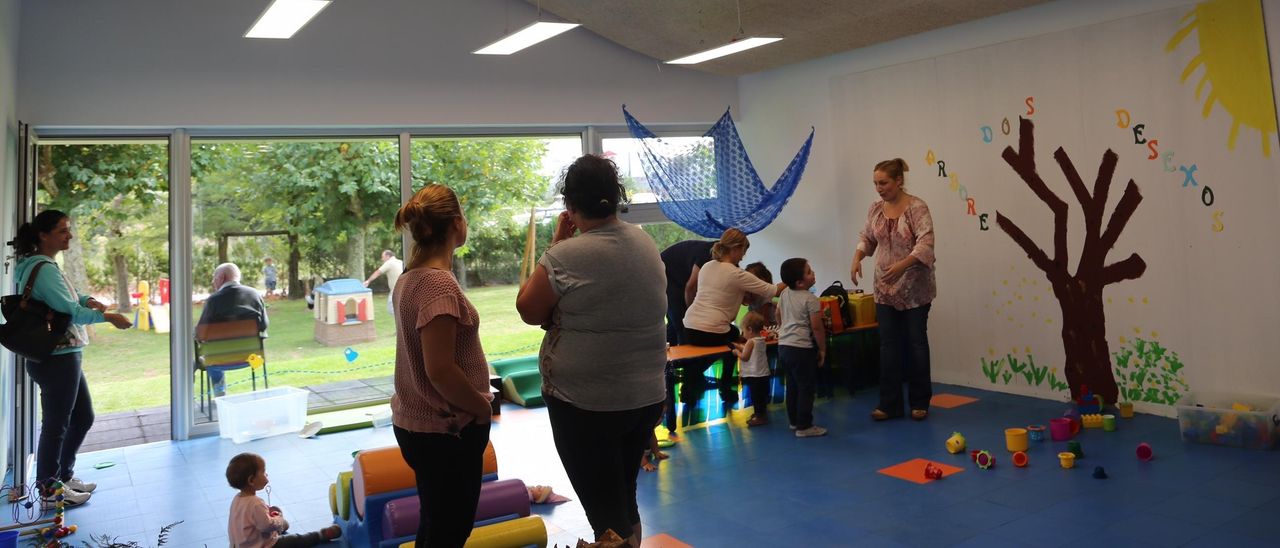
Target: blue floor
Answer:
[[726, 485]]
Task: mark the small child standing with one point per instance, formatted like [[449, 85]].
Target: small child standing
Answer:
[[253, 524], [271, 275], [764, 306], [802, 344], [754, 366]]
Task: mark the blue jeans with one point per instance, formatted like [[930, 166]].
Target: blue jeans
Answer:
[[904, 352], [801, 366], [66, 415], [217, 381]]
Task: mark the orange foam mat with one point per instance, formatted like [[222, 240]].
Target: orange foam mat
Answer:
[[948, 401], [663, 540], [913, 470]]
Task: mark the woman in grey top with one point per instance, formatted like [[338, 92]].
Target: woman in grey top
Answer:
[[601, 296]]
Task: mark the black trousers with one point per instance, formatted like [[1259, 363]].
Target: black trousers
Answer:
[[66, 415], [904, 352], [300, 541], [801, 366], [448, 470], [601, 452], [693, 377], [760, 396]]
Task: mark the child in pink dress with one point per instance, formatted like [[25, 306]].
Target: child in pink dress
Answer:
[[252, 523]]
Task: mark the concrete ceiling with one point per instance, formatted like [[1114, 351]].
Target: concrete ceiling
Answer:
[[669, 29]]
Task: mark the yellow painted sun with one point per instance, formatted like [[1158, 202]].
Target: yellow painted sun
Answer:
[[1233, 52]]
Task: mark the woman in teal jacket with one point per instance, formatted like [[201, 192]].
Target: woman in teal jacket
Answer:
[[64, 394]]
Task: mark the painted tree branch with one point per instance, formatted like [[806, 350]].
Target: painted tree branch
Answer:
[[1120, 218], [1128, 269], [1023, 162], [1051, 269]]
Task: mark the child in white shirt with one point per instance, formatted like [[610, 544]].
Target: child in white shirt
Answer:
[[254, 524], [754, 366]]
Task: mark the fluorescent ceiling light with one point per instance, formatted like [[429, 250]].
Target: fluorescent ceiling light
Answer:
[[727, 49], [524, 38], [283, 18]]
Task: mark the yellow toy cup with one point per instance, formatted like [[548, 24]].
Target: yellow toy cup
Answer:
[[1015, 439], [1126, 410], [1067, 459]]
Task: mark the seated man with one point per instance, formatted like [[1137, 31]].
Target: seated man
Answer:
[[231, 301]]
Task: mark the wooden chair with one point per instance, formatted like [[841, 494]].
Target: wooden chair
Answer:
[[226, 346]]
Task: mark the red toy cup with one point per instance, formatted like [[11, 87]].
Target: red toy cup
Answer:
[[1144, 452]]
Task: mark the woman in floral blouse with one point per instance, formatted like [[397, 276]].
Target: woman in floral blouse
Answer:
[[900, 228]]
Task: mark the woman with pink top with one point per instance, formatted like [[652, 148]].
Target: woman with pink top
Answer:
[[440, 410], [900, 228]]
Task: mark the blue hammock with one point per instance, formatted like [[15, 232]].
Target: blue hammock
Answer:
[[710, 186]]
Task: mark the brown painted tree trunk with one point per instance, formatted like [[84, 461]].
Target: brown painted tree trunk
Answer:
[[1084, 337]]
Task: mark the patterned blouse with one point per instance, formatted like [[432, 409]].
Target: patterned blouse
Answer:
[[421, 295], [910, 234]]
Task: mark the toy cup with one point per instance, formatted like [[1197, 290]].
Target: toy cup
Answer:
[[1060, 429], [1126, 410], [1066, 459], [1015, 439], [1020, 459], [1144, 452], [1035, 432], [1075, 449], [1109, 423], [973, 455]]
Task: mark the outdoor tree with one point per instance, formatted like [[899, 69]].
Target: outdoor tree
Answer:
[[490, 177], [1084, 334], [109, 191]]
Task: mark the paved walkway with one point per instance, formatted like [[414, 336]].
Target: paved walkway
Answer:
[[148, 425]]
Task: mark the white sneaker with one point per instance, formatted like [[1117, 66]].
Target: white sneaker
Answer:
[[811, 432], [77, 484], [70, 499]]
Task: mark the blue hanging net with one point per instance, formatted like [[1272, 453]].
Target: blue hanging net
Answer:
[[710, 186]]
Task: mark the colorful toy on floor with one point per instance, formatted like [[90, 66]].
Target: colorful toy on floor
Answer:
[[984, 460], [1060, 429], [1035, 432], [1144, 452], [1015, 439], [376, 504], [1109, 423], [1092, 420], [1067, 459], [1020, 459], [1099, 472], [350, 354], [1126, 410], [1089, 403], [1074, 447], [932, 472], [955, 443]]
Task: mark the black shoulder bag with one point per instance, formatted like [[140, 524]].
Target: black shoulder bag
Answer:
[[32, 329]]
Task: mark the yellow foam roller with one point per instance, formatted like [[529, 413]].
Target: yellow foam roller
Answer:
[[507, 534], [333, 498], [490, 460], [344, 495]]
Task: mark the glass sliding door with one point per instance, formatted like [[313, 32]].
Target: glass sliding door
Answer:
[[306, 222], [117, 195]]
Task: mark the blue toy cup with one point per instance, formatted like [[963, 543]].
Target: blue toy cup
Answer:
[[1035, 432]]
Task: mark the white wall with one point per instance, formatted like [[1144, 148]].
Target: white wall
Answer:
[[9, 126], [365, 63], [823, 219]]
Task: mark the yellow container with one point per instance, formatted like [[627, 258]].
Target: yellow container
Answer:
[[862, 308], [1015, 439], [1067, 459], [1126, 410]]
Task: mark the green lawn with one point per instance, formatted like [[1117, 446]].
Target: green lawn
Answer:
[[130, 369]]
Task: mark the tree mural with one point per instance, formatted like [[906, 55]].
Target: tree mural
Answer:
[[1084, 333]]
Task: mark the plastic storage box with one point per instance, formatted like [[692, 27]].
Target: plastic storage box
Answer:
[[1237, 420], [270, 412]]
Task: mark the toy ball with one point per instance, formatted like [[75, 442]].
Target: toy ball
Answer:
[[955, 443], [350, 354], [932, 472], [255, 361], [985, 460]]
